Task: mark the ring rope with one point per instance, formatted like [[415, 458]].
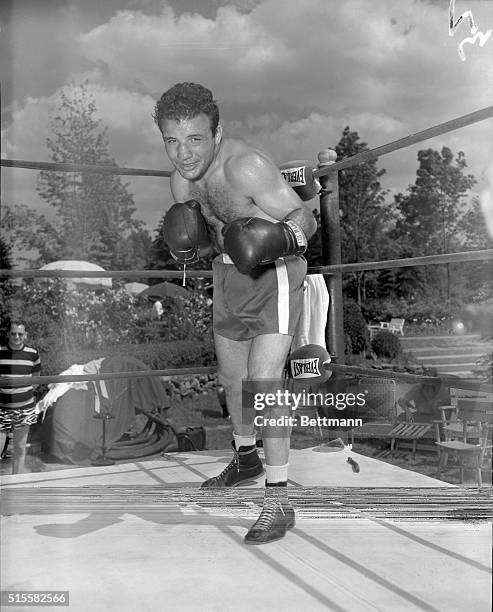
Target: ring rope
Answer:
[[448, 381], [437, 130], [457, 383], [70, 167], [354, 160], [426, 260], [20, 381]]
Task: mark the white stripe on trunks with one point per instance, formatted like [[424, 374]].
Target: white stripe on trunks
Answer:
[[282, 296]]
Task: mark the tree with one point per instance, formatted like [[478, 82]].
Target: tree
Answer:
[[432, 211], [363, 218], [5, 255], [28, 230], [477, 274], [473, 226], [94, 212]]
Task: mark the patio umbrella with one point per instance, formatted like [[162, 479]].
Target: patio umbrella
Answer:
[[135, 288], [165, 289], [80, 266]]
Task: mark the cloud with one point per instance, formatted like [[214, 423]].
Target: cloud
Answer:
[[288, 76], [312, 53]]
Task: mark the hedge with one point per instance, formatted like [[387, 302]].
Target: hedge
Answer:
[[158, 356]]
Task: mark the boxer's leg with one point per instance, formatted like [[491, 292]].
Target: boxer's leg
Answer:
[[267, 360], [232, 368], [232, 357]]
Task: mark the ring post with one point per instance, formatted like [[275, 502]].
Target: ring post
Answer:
[[331, 254]]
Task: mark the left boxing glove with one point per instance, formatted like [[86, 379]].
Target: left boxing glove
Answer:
[[185, 231], [299, 175], [309, 363], [253, 242]]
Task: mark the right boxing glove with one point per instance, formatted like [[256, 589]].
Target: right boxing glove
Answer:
[[185, 231], [252, 241]]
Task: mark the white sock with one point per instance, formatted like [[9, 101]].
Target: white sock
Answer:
[[244, 440], [276, 473]]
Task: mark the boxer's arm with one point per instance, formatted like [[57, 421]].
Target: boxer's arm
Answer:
[[179, 188], [257, 177]]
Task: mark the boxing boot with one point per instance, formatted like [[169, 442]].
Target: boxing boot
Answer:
[[276, 518], [245, 465]]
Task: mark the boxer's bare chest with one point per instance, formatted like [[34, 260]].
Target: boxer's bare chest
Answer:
[[220, 205]]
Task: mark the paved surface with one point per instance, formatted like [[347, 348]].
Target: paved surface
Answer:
[[142, 537]]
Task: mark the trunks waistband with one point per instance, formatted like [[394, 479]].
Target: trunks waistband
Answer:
[[226, 259]]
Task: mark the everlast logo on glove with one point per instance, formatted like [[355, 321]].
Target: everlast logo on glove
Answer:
[[308, 362], [294, 176], [298, 173], [305, 368]]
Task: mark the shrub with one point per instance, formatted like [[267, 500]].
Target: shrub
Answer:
[[386, 344], [355, 329], [379, 310], [158, 356], [59, 318]]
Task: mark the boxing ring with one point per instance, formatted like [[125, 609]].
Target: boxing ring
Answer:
[[141, 535]]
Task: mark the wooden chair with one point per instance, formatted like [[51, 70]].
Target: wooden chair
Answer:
[[474, 416], [396, 326], [450, 426]]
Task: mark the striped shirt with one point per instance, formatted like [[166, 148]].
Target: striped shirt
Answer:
[[21, 362]]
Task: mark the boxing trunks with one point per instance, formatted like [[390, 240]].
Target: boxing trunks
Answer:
[[246, 307]]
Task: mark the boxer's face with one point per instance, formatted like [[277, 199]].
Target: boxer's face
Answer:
[[190, 145]]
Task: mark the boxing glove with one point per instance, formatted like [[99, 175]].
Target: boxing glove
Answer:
[[253, 242], [308, 363], [185, 231], [299, 175]]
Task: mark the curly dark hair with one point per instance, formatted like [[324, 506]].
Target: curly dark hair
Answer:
[[185, 101]]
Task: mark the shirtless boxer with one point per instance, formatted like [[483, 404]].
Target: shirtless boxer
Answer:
[[260, 227]]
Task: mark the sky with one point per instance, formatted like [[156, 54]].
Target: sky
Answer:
[[288, 75]]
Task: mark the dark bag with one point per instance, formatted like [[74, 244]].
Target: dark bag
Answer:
[[191, 438]]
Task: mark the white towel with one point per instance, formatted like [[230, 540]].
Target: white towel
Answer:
[[56, 390], [313, 319]]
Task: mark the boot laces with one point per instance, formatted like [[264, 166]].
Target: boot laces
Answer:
[[233, 464], [268, 515]]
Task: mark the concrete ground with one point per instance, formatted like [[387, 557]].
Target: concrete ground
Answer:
[[141, 536]]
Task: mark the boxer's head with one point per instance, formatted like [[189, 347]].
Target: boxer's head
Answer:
[[185, 101], [188, 118]]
